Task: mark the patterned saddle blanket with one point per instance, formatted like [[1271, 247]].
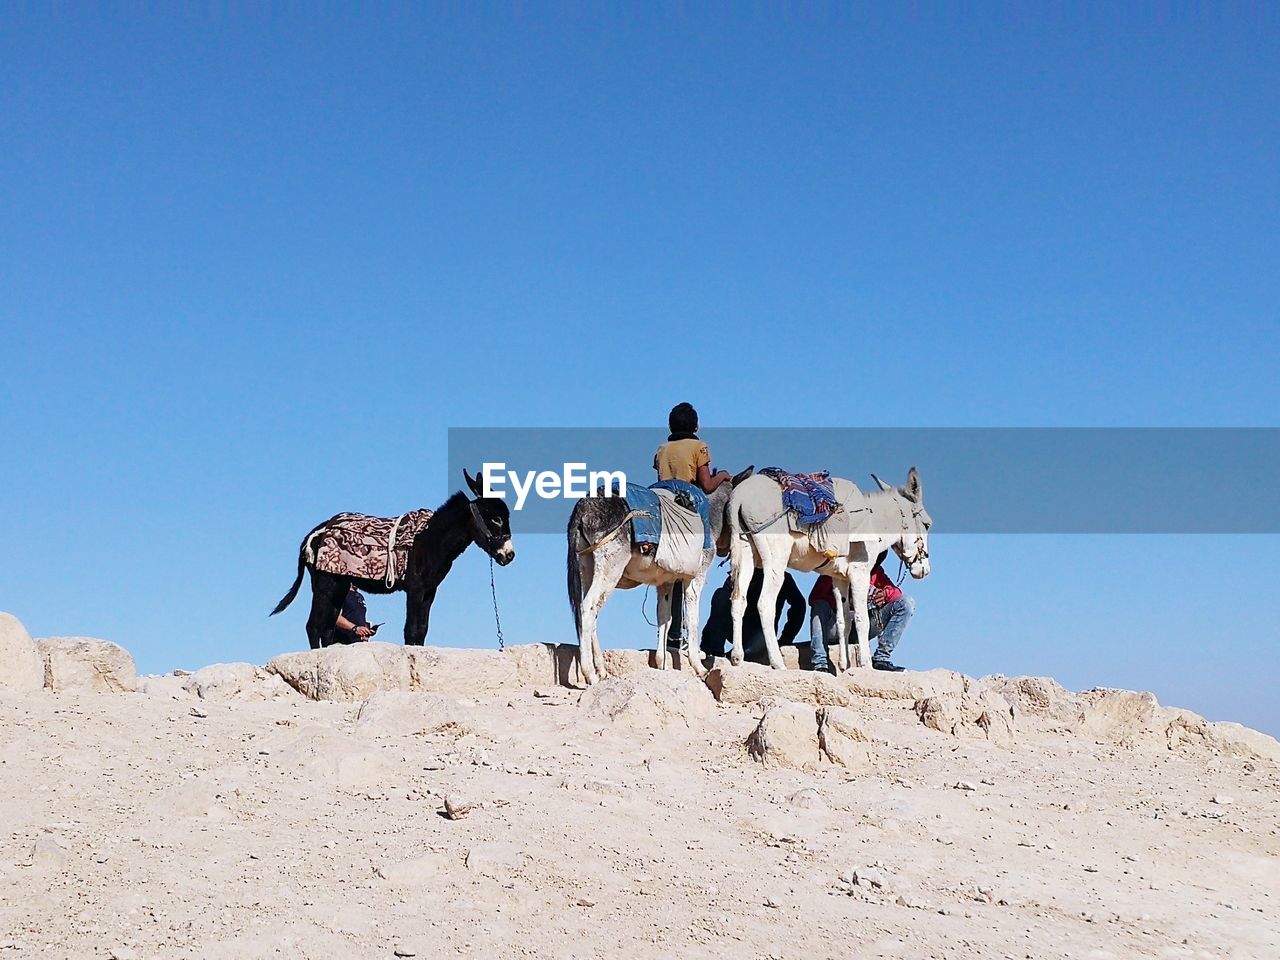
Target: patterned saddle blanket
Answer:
[[810, 497], [373, 548]]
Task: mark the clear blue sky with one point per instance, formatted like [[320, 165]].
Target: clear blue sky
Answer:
[[255, 265]]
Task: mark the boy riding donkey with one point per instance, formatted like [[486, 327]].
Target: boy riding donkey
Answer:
[[683, 465]]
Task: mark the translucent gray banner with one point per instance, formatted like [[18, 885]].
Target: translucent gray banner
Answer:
[[989, 480]]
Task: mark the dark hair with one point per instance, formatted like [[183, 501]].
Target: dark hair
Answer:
[[683, 419]]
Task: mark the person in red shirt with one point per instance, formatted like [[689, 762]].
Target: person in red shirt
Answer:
[[890, 610]]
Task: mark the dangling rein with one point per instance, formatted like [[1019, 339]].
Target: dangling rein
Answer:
[[631, 514]]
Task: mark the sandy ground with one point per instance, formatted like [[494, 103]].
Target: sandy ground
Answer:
[[156, 824]]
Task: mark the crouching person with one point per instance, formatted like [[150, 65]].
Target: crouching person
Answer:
[[888, 608]]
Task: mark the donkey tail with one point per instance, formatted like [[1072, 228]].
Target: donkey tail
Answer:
[[574, 570], [302, 565]]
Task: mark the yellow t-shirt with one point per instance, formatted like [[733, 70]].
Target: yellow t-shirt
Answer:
[[680, 460]]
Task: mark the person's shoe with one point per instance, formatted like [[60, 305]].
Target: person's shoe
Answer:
[[886, 665], [823, 668]]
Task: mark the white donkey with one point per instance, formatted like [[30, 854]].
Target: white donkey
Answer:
[[760, 535], [602, 558]]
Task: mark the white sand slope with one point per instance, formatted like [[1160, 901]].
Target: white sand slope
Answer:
[[227, 815]]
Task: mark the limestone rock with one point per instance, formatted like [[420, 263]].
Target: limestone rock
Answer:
[[752, 682], [1183, 731], [981, 715], [401, 713], [1036, 696], [621, 663], [907, 685], [940, 713], [995, 718], [86, 665], [46, 856], [457, 806], [336, 673], [1116, 716], [235, 681], [806, 799], [166, 685], [840, 738], [21, 669], [786, 736], [359, 670], [650, 700]]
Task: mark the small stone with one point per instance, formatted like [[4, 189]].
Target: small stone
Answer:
[[122, 953], [405, 950], [806, 799], [867, 877], [1223, 799], [47, 856], [198, 713], [584, 902], [772, 904], [456, 807], [964, 785]]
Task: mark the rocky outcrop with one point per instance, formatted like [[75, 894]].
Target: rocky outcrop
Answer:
[[652, 700], [21, 669], [1037, 697], [841, 739], [979, 714], [86, 665], [1116, 716], [358, 671], [786, 736], [752, 682], [798, 736], [236, 681], [907, 685]]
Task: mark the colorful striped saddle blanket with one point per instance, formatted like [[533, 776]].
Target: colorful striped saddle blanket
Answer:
[[373, 548], [810, 497]]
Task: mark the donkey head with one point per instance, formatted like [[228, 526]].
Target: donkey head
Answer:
[[490, 523], [720, 510], [912, 543]]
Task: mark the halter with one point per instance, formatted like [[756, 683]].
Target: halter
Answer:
[[490, 543], [922, 552]]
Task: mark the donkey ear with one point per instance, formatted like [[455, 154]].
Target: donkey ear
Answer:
[[739, 477], [886, 487], [473, 483], [913, 490]]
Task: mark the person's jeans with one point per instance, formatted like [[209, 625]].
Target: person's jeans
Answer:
[[887, 623]]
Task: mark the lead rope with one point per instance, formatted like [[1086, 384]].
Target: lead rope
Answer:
[[497, 620]]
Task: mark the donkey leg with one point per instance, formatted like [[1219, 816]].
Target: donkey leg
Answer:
[[767, 607], [841, 593], [326, 604], [588, 641], [691, 649], [417, 613], [743, 570], [664, 592], [859, 585]]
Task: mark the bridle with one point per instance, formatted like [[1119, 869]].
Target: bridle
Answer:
[[489, 542], [922, 551]]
